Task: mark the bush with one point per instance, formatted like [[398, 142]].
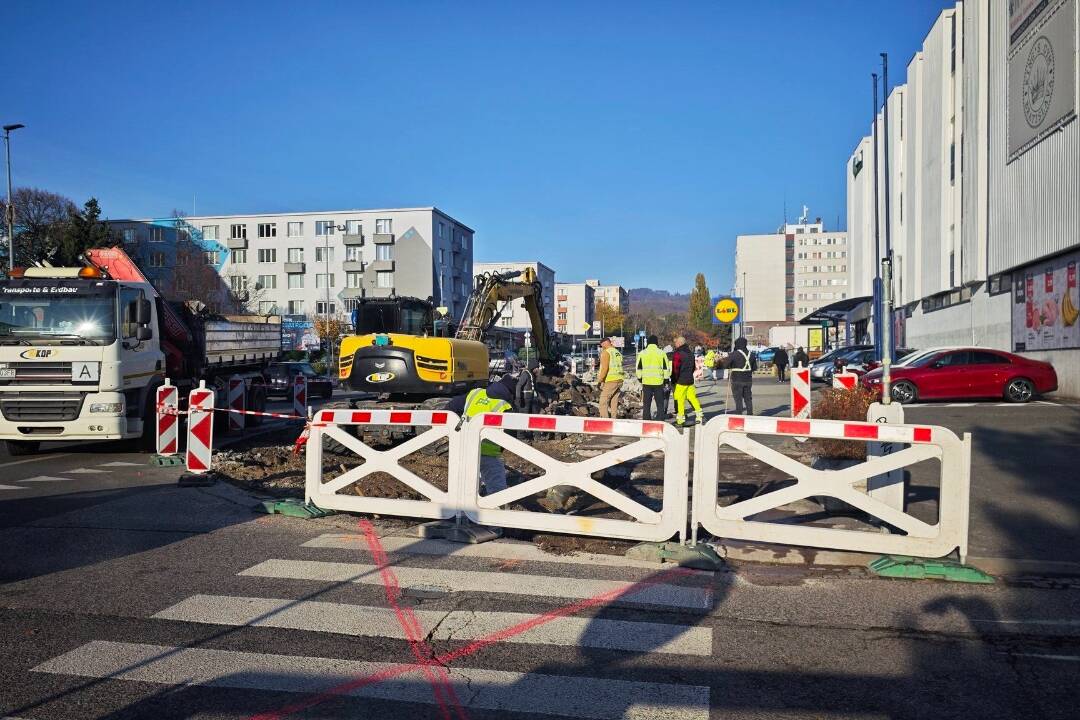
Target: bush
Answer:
[[842, 405], [320, 367]]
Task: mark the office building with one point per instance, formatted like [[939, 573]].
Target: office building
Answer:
[[984, 176], [614, 295], [308, 263], [513, 314], [575, 309]]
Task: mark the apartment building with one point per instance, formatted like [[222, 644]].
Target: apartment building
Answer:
[[310, 263], [984, 176], [575, 308], [514, 315], [614, 295]]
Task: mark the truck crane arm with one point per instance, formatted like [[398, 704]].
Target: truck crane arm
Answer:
[[491, 291]]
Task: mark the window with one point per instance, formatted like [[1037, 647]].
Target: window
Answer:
[[987, 358], [354, 279], [353, 227], [129, 235], [211, 257], [296, 307], [209, 232], [157, 234], [267, 307], [952, 163], [352, 253], [383, 226], [239, 257], [442, 256], [180, 284], [268, 255], [384, 279], [442, 230], [296, 281], [464, 241], [320, 308], [267, 230], [384, 252], [238, 232], [238, 283], [295, 229], [325, 254], [267, 282], [320, 280], [157, 259], [324, 227], [296, 255]]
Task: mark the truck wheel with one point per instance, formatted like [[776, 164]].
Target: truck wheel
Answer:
[[22, 447], [258, 404], [148, 442]]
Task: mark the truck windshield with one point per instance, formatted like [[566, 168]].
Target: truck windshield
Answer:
[[34, 310]]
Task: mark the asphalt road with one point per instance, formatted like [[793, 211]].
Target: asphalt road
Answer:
[[124, 596]]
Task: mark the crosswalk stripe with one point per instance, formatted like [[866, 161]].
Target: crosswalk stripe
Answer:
[[501, 550], [570, 696], [453, 624], [11, 487], [120, 463], [690, 598], [45, 478], [85, 471]]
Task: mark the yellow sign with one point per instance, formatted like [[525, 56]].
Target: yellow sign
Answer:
[[726, 311], [586, 327]]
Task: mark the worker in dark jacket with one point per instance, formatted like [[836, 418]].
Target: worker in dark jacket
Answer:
[[741, 365], [780, 360], [683, 365], [801, 359], [498, 397]]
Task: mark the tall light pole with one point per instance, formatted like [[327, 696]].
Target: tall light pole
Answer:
[[10, 208]]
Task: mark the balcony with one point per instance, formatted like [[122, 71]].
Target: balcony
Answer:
[[294, 267], [352, 293], [381, 292], [352, 239], [236, 243], [382, 266], [354, 266], [383, 238]]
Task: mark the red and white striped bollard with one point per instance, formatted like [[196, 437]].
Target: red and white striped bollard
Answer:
[[200, 428], [167, 403]]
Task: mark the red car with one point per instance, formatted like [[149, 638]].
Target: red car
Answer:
[[965, 373]]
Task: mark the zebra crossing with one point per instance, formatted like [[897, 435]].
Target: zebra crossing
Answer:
[[61, 475], [566, 623]]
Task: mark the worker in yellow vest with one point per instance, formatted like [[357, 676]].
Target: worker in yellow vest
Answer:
[[610, 378], [498, 397], [653, 369], [710, 362]]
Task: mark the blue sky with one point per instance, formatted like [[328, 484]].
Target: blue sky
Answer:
[[627, 141]]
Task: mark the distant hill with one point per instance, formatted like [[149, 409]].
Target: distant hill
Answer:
[[660, 302]]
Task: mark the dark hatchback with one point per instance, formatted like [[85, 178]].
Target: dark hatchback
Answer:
[[280, 376]]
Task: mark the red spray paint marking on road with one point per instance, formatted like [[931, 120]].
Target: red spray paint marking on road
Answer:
[[471, 648]]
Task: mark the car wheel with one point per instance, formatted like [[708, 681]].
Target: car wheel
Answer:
[[904, 392], [1019, 390]]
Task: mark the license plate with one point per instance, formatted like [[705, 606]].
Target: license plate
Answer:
[[7, 372]]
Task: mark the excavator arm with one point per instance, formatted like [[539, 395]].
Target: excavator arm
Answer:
[[491, 292]]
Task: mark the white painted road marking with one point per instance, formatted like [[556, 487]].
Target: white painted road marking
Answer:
[[85, 471], [456, 624], [45, 478], [120, 463], [11, 487], [501, 550], [690, 598], [1041, 656], [35, 459], [507, 692]]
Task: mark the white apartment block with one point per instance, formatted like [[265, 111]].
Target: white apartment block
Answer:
[[984, 176], [310, 263], [614, 295], [514, 315], [575, 308]]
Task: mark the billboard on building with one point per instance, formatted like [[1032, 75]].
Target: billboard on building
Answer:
[[298, 333], [1046, 306], [1041, 92]]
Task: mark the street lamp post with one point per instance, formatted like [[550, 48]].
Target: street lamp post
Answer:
[[10, 208]]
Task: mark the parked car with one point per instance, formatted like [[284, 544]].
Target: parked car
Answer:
[[861, 362], [818, 367], [766, 355], [280, 376], [960, 373]]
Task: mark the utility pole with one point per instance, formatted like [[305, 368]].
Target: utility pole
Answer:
[[886, 338], [8, 129], [877, 234]]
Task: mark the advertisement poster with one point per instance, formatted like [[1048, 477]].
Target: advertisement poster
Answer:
[[298, 333], [1046, 305]]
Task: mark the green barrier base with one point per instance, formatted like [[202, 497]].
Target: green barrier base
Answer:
[[700, 556], [166, 460], [292, 507], [196, 480], [911, 568]]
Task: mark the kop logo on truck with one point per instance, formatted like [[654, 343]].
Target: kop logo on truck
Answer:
[[38, 353], [380, 377]]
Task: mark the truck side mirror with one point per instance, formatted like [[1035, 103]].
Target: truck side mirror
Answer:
[[143, 333], [142, 312]]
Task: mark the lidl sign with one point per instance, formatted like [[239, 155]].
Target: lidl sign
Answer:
[[726, 310]]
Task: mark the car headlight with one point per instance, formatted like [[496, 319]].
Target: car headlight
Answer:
[[874, 381], [110, 408]]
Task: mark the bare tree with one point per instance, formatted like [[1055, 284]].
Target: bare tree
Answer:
[[41, 218]]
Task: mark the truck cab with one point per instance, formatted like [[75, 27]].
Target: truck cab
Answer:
[[79, 358]]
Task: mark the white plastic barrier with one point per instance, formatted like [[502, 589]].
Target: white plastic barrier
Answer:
[[299, 396], [237, 395], [332, 494], [925, 442], [200, 434], [800, 392], [648, 524], [844, 381], [168, 419]]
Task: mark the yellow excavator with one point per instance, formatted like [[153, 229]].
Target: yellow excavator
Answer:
[[401, 349]]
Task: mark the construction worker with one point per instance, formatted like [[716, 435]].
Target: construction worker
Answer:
[[741, 363], [498, 397], [710, 361], [682, 373], [610, 378], [780, 362], [653, 370]]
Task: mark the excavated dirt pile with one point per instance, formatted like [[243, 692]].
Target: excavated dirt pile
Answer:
[[567, 394]]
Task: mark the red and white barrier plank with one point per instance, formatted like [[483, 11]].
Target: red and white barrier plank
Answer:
[[844, 381], [168, 398], [800, 392], [838, 429], [200, 429]]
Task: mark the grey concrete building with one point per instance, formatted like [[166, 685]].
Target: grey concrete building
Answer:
[[614, 295]]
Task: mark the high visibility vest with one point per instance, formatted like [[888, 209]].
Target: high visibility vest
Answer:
[[710, 359], [653, 366], [746, 364], [477, 402], [615, 372]]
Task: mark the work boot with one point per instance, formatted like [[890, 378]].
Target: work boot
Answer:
[[701, 418]]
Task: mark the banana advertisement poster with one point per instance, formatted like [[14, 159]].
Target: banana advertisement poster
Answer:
[[1046, 305]]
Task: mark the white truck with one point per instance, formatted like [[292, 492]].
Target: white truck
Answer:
[[83, 351]]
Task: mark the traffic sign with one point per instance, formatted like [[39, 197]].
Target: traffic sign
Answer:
[[727, 310], [585, 327]]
